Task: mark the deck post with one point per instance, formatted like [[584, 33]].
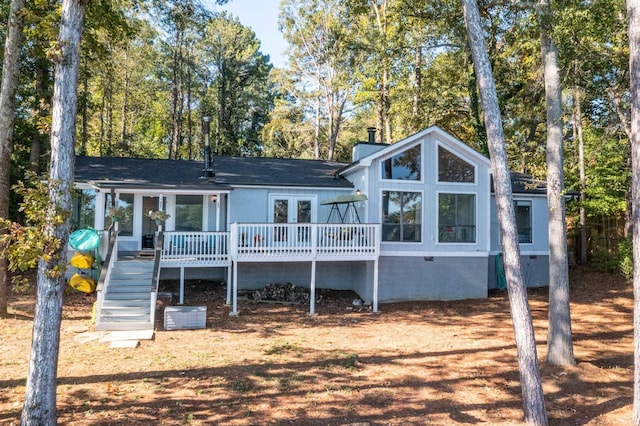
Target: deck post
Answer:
[[181, 302], [234, 308], [229, 281], [312, 295], [375, 285]]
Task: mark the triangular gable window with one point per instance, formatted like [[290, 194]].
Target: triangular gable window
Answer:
[[404, 166], [452, 168]]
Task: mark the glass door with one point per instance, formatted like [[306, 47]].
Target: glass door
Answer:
[[291, 210], [149, 226]]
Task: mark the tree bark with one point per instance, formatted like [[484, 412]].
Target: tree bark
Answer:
[[633, 15], [559, 340], [533, 398], [40, 395], [10, 68]]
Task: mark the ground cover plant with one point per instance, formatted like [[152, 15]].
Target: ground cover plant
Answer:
[[439, 363]]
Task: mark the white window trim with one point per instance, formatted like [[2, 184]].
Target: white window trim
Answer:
[[436, 178], [437, 230], [292, 199], [422, 215], [531, 243], [393, 154]]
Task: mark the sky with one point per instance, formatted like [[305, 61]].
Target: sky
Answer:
[[262, 17]]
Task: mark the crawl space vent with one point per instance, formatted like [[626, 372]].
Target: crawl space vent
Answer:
[[185, 317]]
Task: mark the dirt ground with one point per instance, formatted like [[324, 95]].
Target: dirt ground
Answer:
[[437, 363]]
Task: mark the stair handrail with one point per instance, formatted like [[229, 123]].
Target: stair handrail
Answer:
[[155, 280], [105, 271]]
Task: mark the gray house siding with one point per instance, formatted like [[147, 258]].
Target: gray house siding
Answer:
[[253, 205], [534, 256], [437, 278]]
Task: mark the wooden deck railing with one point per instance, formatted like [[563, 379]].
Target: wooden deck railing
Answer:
[[195, 249], [304, 241], [253, 242]]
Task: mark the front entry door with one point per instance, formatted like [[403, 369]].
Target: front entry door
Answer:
[[149, 226]]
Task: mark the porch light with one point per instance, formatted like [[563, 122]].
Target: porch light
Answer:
[[214, 198], [358, 192]]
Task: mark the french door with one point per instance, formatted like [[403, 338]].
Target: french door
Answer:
[[287, 209]]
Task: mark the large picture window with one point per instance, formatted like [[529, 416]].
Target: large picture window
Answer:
[[401, 216], [452, 168], [523, 221], [188, 213], [456, 218], [404, 166]]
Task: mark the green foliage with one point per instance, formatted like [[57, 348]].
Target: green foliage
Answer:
[[625, 258], [29, 242]]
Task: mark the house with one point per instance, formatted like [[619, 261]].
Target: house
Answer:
[[415, 220]]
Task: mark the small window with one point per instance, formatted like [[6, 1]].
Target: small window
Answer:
[[452, 168], [523, 221], [401, 216], [456, 218], [188, 213], [404, 166]]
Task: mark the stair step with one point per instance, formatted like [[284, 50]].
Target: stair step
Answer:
[[125, 326], [136, 278], [122, 286], [128, 296], [126, 310], [125, 303]]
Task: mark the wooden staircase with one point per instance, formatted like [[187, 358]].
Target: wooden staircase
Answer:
[[127, 301]]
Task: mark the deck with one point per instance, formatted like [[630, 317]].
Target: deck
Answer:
[[268, 242]]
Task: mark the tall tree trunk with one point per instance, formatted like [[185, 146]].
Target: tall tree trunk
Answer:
[[417, 90], [386, 105], [40, 395], [173, 147], [189, 116], [110, 116], [85, 107], [316, 132], [125, 102], [41, 105], [577, 124], [559, 340], [10, 68], [533, 398], [633, 14], [616, 99]]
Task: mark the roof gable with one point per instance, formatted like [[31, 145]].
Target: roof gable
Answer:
[[447, 140]]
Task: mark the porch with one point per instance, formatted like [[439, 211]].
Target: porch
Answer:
[[271, 242]]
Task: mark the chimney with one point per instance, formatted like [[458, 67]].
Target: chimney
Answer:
[[372, 134], [363, 149]]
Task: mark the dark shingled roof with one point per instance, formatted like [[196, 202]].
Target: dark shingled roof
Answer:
[[230, 171], [524, 184]]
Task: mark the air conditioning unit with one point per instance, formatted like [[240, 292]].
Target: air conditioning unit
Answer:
[[185, 317]]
